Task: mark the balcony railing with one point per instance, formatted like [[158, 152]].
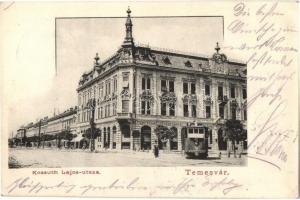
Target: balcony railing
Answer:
[[124, 115]]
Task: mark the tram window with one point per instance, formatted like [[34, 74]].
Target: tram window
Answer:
[[190, 130], [195, 130], [201, 130]]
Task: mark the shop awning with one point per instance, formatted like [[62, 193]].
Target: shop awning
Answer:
[[78, 138]]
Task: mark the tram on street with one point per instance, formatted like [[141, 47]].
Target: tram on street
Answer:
[[196, 143]]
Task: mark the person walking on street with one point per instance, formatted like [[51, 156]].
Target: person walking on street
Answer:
[[156, 150]]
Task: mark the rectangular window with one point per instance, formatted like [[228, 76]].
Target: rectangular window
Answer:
[[88, 116], [114, 109], [106, 89], [125, 76], [194, 111], [148, 83], [232, 92], [185, 110], [245, 114], [108, 110], [244, 93], [207, 90], [207, 111], [193, 88], [185, 88], [98, 113], [220, 92], [221, 111], [233, 113], [115, 84], [171, 86], [101, 91], [163, 85], [143, 83], [109, 88], [172, 109], [143, 107], [163, 109], [125, 106], [148, 108], [101, 112], [78, 117]]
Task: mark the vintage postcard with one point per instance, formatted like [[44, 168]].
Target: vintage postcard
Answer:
[[150, 99]]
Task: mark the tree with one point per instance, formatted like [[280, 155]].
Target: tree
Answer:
[[164, 135], [234, 132], [89, 134], [65, 135]]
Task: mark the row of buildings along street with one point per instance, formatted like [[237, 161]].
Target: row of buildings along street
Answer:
[[143, 98]]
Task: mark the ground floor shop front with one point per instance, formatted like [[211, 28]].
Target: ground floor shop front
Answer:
[[141, 135]]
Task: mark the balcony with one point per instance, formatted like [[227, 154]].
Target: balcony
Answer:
[[124, 116], [207, 99], [223, 99]]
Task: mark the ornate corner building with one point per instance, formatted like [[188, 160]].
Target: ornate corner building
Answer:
[[140, 88]]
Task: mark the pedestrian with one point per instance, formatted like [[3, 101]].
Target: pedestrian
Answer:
[[156, 150]]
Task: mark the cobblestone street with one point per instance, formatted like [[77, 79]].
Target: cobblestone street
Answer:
[[78, 158]]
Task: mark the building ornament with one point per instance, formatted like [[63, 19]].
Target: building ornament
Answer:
[[144, 54], [190, 99], [125, 95], [234, 104], [168, 97], [147, 96], [207, 100], [223, 99], [217, 57]]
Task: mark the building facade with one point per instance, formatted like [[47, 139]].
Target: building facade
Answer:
[[140, 88], [46, 132]]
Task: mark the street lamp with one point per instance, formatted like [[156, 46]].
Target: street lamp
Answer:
[[91, 105]]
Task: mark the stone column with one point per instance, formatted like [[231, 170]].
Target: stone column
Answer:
[[131, 136], [102, 139], [214, 146], [111, 138], [179, 138], [118, 138], [153, 137]]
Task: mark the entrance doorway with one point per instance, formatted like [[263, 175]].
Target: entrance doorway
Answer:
[[146, 138], [125, 136], [183, 137], [222, 144]]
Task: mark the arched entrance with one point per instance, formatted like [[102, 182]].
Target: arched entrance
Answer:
[[183, 137], [222, 144], [125, 136], [146, 138], [104, 137], [174, 141]]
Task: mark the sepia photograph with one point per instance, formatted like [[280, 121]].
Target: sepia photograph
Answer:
[[138, 91], [154, 99]]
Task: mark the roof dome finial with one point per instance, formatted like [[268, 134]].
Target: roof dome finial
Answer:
[[128, 11], [217, 47], [97, 59]]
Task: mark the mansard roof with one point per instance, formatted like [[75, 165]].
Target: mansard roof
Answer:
[[143, 55], [164, 59]]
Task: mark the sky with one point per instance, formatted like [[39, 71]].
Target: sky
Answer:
[[77, 42]]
